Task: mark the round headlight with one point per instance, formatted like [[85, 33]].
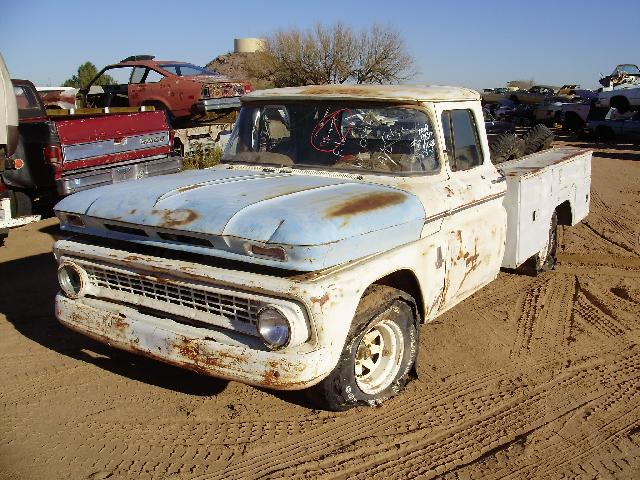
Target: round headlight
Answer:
[[273, 327], [71, 280]]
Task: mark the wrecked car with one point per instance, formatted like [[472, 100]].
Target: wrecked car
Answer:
[[182, 89], [615, 127], [621, 89], [340, 219]]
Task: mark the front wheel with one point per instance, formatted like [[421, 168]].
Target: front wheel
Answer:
[[378, 355]]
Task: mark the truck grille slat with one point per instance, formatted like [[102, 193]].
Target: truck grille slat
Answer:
[[227, 305]]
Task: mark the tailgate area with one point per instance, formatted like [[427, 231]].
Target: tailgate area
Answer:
[[537, 185]]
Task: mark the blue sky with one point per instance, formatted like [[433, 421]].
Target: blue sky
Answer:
[[475, 44]]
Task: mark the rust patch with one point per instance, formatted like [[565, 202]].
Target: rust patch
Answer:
[[321, 300], [133, 211], [176, 218], [365, 203], [338, 90], [132, 258]]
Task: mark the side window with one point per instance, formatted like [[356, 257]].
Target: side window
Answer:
[[461, 136], [153, 76], [137, 74]]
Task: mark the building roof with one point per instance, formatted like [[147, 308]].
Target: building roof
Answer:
[[401, 93]]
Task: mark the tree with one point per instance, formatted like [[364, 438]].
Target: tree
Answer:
[[86, 72], [334, 54]]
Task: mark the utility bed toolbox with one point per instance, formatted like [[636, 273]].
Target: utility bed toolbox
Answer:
[[536, 184]]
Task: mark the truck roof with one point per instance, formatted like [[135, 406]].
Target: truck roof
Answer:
[[401, 93]]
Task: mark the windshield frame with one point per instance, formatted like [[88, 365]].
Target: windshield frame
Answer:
[[337, 104]]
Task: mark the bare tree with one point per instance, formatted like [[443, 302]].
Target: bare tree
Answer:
[[334, 54]]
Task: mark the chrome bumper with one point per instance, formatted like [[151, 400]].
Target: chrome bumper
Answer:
[[77, 181], [212, 104], [203, 350]]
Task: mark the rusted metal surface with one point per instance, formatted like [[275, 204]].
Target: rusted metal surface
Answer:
[[365, 203], [399, 93]]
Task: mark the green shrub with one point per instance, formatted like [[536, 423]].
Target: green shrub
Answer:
[[202, 157]]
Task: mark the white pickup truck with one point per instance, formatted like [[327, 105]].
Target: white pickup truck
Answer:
[[341, 218]]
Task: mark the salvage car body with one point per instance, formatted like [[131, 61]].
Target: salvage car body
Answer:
[[323, 191], [615, 129], [621, 89], [181, 88]]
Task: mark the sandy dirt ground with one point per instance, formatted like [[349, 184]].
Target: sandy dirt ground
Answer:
[[529, 378]]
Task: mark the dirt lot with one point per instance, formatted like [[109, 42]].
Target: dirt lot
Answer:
[[529, 378]]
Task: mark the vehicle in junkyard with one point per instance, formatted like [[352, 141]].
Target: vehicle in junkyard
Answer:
[[183, 90], [615, 127], [552, 111], [340, 219], [621, 89], [58, 97], [8, 141], [63, 154]]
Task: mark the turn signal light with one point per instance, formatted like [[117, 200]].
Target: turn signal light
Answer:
[[53, 154]]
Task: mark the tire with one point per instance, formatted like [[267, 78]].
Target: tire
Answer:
[[572, 123], [545, 259], [161, 106], [604, 134], [621, 104], [378, 355], [506, 146], [539, 138], [21, 203]]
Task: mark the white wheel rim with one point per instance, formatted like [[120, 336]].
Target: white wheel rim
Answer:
[[379, 357]]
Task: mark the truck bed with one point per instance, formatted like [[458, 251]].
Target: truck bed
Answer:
[[537, 185]]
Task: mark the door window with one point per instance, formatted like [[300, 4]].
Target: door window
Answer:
[[153, 76], [461, 139]]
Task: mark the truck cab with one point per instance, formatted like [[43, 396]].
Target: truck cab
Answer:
[[340, 219]]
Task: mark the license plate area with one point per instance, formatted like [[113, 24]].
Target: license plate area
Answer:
[[128, 172]]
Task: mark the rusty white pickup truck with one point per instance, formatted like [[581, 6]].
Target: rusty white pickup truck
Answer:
[[341, 218]]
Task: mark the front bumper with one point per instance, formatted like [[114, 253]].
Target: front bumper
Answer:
[[213, 104], [199, 349], [77, 181]]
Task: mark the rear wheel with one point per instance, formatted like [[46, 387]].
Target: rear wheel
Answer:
[[378, 355], [21, 203], [545, 259]]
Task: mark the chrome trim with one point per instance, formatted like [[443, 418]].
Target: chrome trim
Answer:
[[101, 148]]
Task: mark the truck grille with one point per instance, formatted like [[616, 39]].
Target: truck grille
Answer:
[[234, 308]]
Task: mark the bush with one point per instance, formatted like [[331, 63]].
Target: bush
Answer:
[[202, 157]]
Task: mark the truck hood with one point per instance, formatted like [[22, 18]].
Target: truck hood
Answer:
[[320, 221]]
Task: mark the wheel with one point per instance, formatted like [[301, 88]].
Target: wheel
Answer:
[[378, 355], [572, 122], [545, 259], [161, 106], [21, 203], [621, 104], [539, 138], [506, 146], [605, 134]]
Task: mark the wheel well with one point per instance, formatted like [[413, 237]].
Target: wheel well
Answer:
[[406, 281], [564, 213]]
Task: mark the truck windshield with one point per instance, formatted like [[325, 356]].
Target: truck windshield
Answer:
[[335, 136]]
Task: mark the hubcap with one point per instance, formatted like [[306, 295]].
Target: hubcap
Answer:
[[379, 357]]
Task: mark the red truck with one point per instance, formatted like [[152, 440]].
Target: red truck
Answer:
[[65, 153]]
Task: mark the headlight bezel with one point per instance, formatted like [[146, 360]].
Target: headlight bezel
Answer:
[[286, 322], [72, 279]]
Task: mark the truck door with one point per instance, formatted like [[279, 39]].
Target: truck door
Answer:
[[476, 224]]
